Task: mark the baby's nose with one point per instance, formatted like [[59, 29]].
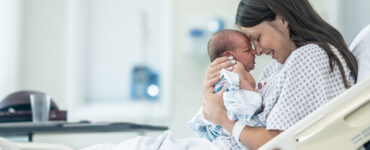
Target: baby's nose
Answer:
[[254, 52]]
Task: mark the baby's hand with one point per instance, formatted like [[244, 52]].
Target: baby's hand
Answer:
[[260, 86], [239, 69]]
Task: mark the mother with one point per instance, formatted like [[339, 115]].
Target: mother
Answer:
[[313, 65]]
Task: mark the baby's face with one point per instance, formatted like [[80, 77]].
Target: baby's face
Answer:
[[244, 53]]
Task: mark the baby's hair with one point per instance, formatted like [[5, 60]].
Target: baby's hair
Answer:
[[221, 41]]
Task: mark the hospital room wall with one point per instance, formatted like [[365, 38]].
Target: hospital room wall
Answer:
[[39, 39], [43, 54], [9, 48], [43, 43]]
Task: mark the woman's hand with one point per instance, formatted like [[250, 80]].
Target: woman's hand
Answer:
[[213, 104], [212, 75], [213, 107]]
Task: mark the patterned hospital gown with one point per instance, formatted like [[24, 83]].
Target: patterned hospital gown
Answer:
[[299, 86]]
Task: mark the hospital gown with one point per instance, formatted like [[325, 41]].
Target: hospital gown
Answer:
[[300, 86]]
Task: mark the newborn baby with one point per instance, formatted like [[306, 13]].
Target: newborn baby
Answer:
[[241, 100]]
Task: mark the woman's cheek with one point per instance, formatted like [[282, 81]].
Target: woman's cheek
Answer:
[[266, 43]]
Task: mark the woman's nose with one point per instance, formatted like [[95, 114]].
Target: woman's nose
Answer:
[[258, 51]]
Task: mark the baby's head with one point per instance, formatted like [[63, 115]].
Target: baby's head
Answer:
[[232, 43]]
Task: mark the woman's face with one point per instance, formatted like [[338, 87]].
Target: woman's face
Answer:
[[271, 38]]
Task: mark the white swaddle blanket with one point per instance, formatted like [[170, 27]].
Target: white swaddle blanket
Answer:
[[240, 105]]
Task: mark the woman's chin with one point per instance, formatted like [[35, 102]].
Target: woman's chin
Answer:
[[279, 61]]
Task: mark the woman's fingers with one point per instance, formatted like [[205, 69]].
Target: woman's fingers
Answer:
[[209, 85], [219, 60], [212, 82], [211, 75], [217, 67]]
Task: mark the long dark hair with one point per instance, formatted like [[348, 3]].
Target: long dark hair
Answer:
[[305, 26]]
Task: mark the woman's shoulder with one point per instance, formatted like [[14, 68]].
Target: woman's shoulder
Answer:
[[309, 50], [310, 46]]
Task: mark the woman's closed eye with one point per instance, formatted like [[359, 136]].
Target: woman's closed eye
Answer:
[[257, 37]]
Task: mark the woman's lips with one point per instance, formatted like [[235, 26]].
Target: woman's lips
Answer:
[[272, 53]]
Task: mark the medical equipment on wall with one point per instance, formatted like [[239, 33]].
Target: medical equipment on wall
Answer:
[[144, 84]]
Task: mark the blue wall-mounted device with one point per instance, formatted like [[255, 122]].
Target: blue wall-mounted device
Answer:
[[144, 84]]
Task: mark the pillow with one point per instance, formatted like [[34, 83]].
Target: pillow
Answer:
[[360, 47]]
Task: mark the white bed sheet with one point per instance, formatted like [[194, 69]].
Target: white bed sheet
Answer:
[[164, 142]]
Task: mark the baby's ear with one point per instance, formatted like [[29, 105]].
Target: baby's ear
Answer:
[[227, 53]]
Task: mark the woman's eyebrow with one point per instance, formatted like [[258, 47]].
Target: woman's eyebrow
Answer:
[[252, 35]]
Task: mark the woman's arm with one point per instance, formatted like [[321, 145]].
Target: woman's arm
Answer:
[[214, 109], [252, 137]]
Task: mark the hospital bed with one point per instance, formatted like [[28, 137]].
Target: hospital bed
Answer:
[[342, 123], [7, 145]]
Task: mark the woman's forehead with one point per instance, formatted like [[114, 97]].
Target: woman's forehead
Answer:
[[249, 31], [255, 29]]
